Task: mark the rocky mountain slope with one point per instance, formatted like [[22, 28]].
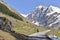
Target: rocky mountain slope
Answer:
[[45, 16]]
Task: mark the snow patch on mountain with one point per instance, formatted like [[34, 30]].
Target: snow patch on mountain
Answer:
[[56, 9], [24, 15], [36, 23]]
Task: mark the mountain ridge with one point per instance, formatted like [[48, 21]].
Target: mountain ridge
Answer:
[[45, 16]]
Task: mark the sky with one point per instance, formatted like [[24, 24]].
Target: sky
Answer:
[[25, 6]]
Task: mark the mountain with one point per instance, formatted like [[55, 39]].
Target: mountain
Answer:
[[20, 24], [24, 15], [45, 16]]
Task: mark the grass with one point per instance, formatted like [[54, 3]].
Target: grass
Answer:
[[27, 28], [54, 32], [5, 10], [22, 26], [6, 36]]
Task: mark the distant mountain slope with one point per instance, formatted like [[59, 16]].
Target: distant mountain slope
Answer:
[[45, 16]]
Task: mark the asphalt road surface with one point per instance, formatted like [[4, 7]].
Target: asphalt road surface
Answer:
[[39, 36]]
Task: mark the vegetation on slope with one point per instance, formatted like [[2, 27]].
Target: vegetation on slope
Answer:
[[54, 32], [4, 35], [5, 10], [22, 26]]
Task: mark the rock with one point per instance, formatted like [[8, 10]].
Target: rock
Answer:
[[5, 24]]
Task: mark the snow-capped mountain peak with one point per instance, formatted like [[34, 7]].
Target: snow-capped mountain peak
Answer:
[[41, 6], [45, 16], [24, 15], [56, 9]]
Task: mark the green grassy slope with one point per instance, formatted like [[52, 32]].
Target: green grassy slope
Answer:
[[5, 10], [4, 35], [23, 27], [54, 32]]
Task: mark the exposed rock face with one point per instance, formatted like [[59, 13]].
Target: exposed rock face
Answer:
[[5, 24], [45, 16]]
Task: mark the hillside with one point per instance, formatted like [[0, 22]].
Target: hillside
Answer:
[[54, 32], [5, 9], [11, 36], [6, 36], [20, 24]]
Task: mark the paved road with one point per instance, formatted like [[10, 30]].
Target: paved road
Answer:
[[39, 36], [42, 36], [40, 33]]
